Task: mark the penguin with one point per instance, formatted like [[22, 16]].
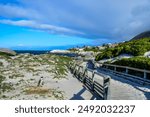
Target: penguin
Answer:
[[40, 82]]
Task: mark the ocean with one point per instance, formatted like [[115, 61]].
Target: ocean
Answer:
[[38, 52]]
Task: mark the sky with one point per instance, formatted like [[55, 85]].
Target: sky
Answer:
[[53, 23]]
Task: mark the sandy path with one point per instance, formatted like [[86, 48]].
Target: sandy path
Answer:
[[73, 89]]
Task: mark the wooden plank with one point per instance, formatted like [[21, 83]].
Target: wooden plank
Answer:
[[129, 75], [98, 88], [97, 84], [101, 94]]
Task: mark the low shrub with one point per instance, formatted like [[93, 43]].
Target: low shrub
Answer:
[[136, 62]]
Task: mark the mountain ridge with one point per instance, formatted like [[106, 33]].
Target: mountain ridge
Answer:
[[142, 35]]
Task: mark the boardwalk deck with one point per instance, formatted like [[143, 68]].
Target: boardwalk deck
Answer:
[[120, 89], [123, 89]]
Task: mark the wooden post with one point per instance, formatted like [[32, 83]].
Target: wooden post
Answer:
[[114, 68], [106, 84], [126, 70], [84, 76], [74, 69], [78, 71], [81, 73], [93, 74], [105, 93], [145, 75]]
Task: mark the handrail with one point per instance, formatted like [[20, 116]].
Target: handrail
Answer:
[[131, 68], [144, 79], [83, 76]]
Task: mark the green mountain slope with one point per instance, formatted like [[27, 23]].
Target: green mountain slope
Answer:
[[133, 47]]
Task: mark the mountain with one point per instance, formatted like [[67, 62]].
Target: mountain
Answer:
[[5, 51], [142, 35]]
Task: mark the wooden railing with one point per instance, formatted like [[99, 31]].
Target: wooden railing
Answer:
[[95, 81], [128, 72]]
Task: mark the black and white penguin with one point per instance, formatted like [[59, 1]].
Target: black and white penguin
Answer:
[[40, 82]]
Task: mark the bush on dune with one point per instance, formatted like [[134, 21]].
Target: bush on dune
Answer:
[[134, 47], [136, 62]]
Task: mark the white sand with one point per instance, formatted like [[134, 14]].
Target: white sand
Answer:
[[65, 88]]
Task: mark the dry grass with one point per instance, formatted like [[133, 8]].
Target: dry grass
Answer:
[[37, 90], [45, 91]]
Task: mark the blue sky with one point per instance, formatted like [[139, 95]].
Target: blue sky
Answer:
[[46, 23], [13, 36]]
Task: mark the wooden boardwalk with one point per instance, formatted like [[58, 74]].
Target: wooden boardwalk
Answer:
[[123, 89], [96, 82]]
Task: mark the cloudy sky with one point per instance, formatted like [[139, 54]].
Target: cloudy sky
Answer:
[[71, 22]]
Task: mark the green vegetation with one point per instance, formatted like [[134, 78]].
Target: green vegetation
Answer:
[[32, 64], [134, 47], [2, 78], [86, 48], [93, 49], [60, 68], [58, 94], [73, 49], [16, 75], [4, 86], [136, 62], [7, 87], [1, 64], [6, 54]]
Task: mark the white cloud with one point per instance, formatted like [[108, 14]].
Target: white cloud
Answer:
[[14, 11], [116, 19], [45, 27], [20, 44]]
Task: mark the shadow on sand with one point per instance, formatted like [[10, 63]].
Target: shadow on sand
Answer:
[[78, 96]]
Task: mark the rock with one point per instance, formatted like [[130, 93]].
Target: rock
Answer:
[[60, 51], [90, 53], [147, 54], [7, 51]]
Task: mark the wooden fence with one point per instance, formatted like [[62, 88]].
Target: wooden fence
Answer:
[[95, 81], [139, 75]]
